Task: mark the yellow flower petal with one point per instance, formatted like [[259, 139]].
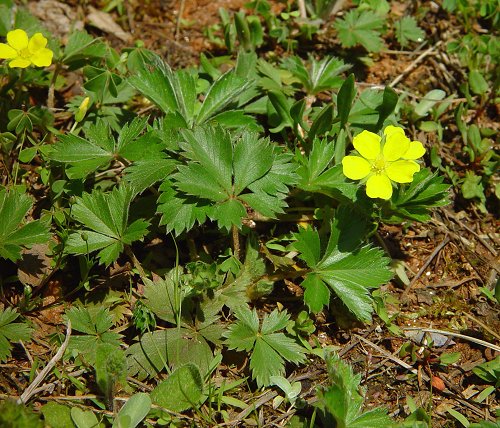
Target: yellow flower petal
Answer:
[[367, 144], [6, 52], [396, 145], [379, 186], [355, 167], [415, 151], [42, 58], [18, 39], [389, 130], [19, 63], [37, 42], [402, 171]]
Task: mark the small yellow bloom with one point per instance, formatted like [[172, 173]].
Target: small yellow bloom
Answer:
[[82, 109], [383, 161], [23, 52]]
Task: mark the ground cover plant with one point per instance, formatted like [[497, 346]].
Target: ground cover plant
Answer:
[[262, 214]]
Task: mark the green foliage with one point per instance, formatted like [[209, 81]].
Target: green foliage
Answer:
[[347, 267], [13, 415], [134, 411], [175, 92], [84, 419], [181, 391], [317, 75], [341, 403], [224, 174], [57, 415], [360, 27], [269, 349], [11, 332], [415, 201], [407, 31], [110, 369], [170, 348], [95, 323], [84, 156], [105, 217], [489, 371], [14, 206]]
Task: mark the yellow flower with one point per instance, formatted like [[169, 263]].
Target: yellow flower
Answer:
[[383, 162], [22, 52]]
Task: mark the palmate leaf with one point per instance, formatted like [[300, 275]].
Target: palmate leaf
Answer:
[[408, 30], [94, 323], [105, 218], [361, 27], [175, 92], [11, 332], [222, 175], [347, 268], [415, 200], [341, 403], [14, 235], [86, 155], [317, 76], [169, 347], [270, 348]]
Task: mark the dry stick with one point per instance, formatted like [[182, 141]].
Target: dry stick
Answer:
[[268, 396], [424, 267], [302, 9], [31, 390], [414, 64], [453, 334], [483, 325], [179, 19], [236, 241]]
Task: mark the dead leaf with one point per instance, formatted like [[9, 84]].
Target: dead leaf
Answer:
[[105, 22], [34, 265]]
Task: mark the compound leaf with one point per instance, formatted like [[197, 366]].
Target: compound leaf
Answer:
[[105, 218], [14, 206], [11, 332]]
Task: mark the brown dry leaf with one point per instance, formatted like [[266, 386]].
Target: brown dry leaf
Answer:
[[34, 265], [437, 383], [104, 21], [59, 18]]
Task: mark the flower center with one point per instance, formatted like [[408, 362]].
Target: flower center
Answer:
[[378, 165], [25, 53]]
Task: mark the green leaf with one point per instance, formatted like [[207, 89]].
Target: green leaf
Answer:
[[95, 323], [155, 80], [105, 217], [173, 347], [429, 100], [360, 27], [180, 212], [222, 174], [134, 411], [57, 415], [477, 82], [415, 201], [323, 122], [269, 348], [348, 268], [407, 30], [84, 419], [11, 332], [341, 402], [181, 391], [317, 76], [282, 106], [14, 206], [224, 91], [345, 98], [86, 155]]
